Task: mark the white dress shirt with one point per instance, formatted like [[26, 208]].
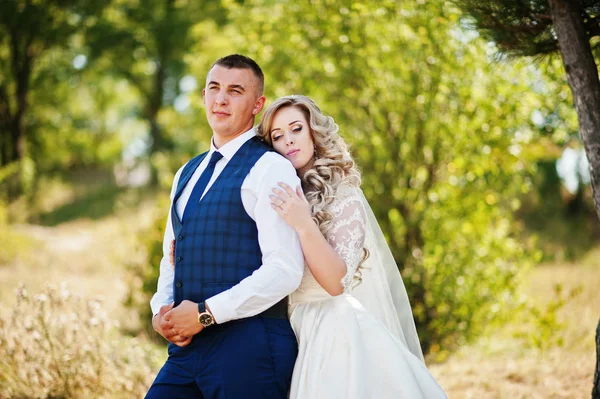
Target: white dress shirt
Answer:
[[282, 259]]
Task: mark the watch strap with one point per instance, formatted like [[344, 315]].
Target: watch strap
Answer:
[[204, 314]]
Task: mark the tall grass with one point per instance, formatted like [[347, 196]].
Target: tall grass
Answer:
[[58, 345]]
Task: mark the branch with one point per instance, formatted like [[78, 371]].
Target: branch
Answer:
[[519, 30], [543, 17]]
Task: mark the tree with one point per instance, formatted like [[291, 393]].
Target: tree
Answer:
[[146, 42], [437, 130], [28, 29], [539, 27], [596, 388]]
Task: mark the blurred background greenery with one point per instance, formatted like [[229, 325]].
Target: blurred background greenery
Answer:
[[471, 161]]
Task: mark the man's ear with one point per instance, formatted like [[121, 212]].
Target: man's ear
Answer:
[[258, 105], [204, 96]]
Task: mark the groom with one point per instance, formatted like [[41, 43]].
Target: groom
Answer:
[[223, 305]]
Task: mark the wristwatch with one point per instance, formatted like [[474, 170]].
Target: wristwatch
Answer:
[[205, 318]]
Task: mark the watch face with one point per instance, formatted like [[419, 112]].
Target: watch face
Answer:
[[206, 319]]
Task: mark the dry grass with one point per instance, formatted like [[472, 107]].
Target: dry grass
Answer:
[[90, 256], [57, 345], [67, 342], [503, 365]]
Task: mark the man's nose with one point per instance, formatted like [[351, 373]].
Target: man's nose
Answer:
[[221, 98]]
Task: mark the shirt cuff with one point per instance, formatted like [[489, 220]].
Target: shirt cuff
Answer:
[[220, 307]]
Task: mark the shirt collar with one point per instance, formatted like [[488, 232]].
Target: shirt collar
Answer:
[[229, 149]]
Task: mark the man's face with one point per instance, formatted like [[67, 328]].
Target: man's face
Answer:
[[232, 101]]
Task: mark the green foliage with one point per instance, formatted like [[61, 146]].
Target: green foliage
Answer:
[[145, 274], [54, 344], [524, 28], [440, 132], [562, 234], [441, 128], [540, 325], [145, 42], [12, 243], [92, 125], [28, 31]]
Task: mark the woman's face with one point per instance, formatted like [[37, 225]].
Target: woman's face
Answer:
[[291, 137]]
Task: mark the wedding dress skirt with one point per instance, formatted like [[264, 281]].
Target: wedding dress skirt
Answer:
[[345, 352]]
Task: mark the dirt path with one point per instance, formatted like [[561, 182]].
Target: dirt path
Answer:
[[90, 257]]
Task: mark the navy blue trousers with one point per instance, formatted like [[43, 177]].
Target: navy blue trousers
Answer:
[[248, 358]]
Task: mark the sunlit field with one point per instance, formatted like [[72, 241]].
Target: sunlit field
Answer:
[[473, 124], [505, 365], [89, 257]]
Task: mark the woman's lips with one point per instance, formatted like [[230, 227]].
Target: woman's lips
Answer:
[[293, 152]]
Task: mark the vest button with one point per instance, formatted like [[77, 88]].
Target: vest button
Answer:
[[179, 284], [179, 238], [179, 259]]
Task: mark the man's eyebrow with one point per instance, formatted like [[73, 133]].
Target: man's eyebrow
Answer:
[[233, 86], [240, 87]]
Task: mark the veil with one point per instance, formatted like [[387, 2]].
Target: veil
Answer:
[[382, 291]]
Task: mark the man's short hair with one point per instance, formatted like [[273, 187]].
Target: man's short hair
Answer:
[[239, 61]]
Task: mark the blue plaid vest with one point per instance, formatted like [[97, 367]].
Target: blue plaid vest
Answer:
[[217, 244]]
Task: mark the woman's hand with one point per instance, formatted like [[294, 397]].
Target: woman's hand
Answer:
[[292, 206], [172, 254]]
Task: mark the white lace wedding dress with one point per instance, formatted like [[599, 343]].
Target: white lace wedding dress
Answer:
[[345, 351]]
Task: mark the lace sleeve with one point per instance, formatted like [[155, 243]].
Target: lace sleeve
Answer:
[[347, 236]]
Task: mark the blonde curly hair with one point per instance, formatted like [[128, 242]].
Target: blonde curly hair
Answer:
[[333, 165]]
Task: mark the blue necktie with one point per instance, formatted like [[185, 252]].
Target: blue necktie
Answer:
[[201, 184]]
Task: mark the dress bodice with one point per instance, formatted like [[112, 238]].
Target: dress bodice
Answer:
[[347, 236], [309, 290]]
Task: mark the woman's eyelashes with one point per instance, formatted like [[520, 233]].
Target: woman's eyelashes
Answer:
[[277, 136]]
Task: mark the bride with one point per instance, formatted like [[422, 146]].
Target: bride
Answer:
[[351, 315]]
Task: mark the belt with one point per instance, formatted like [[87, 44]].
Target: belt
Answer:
[[277, 311]]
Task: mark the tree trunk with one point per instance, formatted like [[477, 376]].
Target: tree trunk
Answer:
[[5, 118], [22, 59], [153, 108], [596, 388], [582, 75], [4, 143]]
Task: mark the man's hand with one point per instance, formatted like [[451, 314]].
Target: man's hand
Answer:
[[184, 319], [165, 327]]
